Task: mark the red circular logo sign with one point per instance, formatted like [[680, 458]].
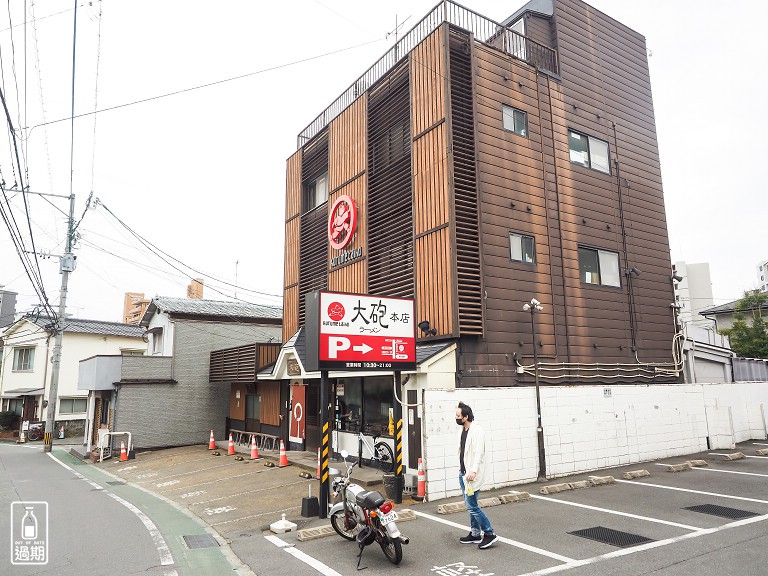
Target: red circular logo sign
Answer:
[[342, 222], [335, 311]]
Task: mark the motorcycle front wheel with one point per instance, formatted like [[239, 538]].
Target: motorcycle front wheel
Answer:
[[393, 549], [346, 526]]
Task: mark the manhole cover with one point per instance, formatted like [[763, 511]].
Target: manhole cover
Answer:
[[722, 511], [116, 483], [612, 537], [200, 541]]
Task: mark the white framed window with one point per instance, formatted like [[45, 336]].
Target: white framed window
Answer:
[[515, 120], [23, 359], [157, 341], [522, 248], [73, 405], [131, 352], [599, 267], [589, 151]]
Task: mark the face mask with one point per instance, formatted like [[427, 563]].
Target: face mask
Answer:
[[460, 421]]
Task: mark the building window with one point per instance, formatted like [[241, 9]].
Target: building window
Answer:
[[131, 352], [522, 248], [364, 404], [599, 267], [157, 341], [15, 405], [23, 359], [317, 191], [72, 405], [515, 120], [588, 151]]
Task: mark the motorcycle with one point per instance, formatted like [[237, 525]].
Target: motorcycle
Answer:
[[365, 516]]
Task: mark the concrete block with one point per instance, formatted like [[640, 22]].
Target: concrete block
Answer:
[[486, 502], [679, 467], [636, 474], [762, 452], [314, 533], [555, 488], [450, 508], [580, 484], [734, 456], [698, 463], [516, 497], [600, 480]]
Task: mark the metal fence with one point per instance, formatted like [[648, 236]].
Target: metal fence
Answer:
[[749, 370], [483, 29]]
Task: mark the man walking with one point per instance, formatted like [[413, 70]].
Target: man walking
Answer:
[[471, 467]]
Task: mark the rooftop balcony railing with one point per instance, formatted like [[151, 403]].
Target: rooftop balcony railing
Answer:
[[483, 30]]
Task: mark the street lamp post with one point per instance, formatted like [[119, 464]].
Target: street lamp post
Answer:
[[535, 306]]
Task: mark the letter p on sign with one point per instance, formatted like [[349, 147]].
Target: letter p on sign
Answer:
[[336, 344]]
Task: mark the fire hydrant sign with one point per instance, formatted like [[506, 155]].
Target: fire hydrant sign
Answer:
[[364, 332]]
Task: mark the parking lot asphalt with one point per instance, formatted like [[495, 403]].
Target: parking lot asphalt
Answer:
[[239, 499]]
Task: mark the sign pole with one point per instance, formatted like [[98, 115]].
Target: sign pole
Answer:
[[324, 483], [398, 418]]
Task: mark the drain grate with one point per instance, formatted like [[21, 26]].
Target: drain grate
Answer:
[[612, 537], [722, 511], [196, 541], [116, 483]]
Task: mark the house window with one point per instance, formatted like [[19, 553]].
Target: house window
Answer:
[[157, 341], [317, 191], [364, 406], [522, 248], [515, 120], [23, 359], [72, 405], [15, 405], [589, 151], [131, 352], [599, 267]]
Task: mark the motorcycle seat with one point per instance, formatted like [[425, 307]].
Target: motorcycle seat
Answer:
[[370, 499]]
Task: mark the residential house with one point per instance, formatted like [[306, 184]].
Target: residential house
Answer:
[[25, 376], [475, 166], [7, 315], [723, 315], [165, 398]]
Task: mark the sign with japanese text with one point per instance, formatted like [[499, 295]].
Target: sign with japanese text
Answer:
[[364, 332]]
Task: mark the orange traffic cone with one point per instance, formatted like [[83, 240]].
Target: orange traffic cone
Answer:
[[231, 449], [283, 457], [254, 448], [421, 490], [212, 442], [123, 452], [318, 462]]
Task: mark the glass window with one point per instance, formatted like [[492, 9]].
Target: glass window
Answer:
[[23, 359], [599, 267], [588, 151], [522, 248], [157, 342], [15, 405], [515, 120], [253, 406], [72, 405], [364, 405], [317, 191]]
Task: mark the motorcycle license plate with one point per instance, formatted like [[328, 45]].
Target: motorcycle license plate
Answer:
[[387, 518]]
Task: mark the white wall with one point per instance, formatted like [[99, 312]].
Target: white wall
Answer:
[[586, 428]]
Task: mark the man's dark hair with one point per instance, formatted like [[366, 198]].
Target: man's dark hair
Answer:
[[466, 411]]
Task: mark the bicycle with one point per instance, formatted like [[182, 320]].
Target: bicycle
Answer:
[[380, 453]]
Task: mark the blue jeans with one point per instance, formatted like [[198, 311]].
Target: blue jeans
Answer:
[[478, 521]]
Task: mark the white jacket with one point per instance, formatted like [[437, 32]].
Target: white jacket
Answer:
[[474, 453]]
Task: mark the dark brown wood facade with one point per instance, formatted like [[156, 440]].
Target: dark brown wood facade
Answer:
[[439, 200]]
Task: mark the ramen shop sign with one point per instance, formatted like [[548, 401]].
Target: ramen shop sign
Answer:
[[342, 226], [362, 332]]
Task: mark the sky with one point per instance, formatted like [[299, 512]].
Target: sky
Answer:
[[202, 103]]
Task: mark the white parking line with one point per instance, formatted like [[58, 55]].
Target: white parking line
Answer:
[[745, 456], [731, 472], [515, 543], [617, 513], [649, 485], [306, 558], [759, 444], [648, 546]]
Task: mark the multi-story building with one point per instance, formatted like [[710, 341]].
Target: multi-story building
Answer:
[[134, 306], [762, 274], [478, 165], [693, 292]]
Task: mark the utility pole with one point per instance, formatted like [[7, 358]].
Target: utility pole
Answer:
[[66, 265]]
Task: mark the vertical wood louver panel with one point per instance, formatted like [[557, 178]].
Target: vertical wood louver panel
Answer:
[[313, 253], [469, 282], [347, 144], [433, 279], [293, 195], [390, 222], [290, 312]]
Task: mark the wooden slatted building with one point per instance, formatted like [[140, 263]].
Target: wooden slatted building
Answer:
[[492, 163]]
